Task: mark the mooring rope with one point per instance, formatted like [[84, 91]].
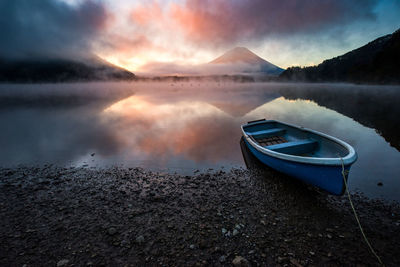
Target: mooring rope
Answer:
[[356, 216]]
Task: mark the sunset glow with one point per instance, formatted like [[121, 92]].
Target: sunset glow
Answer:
[[195, 32], [146, 36]]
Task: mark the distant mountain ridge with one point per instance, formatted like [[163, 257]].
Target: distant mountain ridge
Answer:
[[61, 70], [250, 62], [376, 62]]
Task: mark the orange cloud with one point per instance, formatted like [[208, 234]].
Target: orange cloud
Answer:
[[199, 22], [146, 14]]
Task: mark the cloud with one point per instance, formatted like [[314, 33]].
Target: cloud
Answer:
[[125, 44], [142, 16], [49, 27], [227, 21], [135, 33]]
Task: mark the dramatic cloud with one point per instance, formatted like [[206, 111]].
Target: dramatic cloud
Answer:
[[135, 34], [49, 27], [226, 21]]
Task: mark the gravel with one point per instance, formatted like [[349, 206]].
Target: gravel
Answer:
[[57, 216]]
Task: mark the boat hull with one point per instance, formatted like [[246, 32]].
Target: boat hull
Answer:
[[326, 177]]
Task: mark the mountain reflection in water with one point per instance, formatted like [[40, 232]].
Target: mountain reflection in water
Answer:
[[188, 126]]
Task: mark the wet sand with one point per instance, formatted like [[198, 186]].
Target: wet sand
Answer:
[[56, 216]]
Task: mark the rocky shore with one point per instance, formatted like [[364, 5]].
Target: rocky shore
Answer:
[[57, 216]]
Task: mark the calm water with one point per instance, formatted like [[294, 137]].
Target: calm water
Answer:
[[184, 127]]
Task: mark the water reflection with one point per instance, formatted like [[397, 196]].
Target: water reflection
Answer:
[[31, 136], [373, 106], [183, 127], [194, 130]]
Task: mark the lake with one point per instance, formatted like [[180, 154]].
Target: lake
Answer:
[[190, 126]]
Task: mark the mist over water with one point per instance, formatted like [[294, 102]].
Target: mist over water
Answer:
[[183, 127]]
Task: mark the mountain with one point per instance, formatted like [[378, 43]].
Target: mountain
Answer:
[[376, 62], [61, 70], [241, 59]]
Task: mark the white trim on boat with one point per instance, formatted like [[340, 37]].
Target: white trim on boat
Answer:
[[350, 158]]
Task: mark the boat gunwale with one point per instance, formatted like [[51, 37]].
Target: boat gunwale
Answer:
[[349, 159]]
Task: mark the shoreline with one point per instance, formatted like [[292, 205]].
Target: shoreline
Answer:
[[130, 216]]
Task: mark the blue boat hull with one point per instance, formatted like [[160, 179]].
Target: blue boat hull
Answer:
[[326, 177]]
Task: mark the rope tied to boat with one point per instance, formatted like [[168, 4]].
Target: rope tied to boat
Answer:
[[356, 216]]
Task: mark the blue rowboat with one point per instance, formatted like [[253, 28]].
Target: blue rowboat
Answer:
[[313, 157]]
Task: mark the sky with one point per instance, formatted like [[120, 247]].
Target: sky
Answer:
[[140, 34]]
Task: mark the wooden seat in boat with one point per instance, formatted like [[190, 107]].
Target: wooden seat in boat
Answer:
[[295, 147]]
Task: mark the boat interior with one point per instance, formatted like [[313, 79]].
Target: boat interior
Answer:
[[286, 139]]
